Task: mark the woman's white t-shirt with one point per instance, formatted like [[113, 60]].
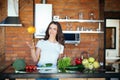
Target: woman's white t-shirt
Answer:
[[49, 52]]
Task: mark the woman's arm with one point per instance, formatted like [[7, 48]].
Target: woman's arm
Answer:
[[34, 54]]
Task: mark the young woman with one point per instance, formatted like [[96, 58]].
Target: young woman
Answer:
[[49, 49]]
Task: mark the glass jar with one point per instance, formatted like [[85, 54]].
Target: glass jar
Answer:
[[91, 16], [80, 15]]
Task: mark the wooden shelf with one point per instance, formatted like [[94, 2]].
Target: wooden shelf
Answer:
[[83, 32], [77, 20]]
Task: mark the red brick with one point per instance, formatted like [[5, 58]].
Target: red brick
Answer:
[[17, 36]]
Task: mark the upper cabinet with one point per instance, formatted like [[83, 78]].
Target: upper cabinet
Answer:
[[43, 16]]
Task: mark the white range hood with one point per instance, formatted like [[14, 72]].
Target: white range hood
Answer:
[[12, 18]]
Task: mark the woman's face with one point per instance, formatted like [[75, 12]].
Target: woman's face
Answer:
[[53, 30]]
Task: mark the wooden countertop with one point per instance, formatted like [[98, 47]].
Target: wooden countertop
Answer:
[[10, 73]]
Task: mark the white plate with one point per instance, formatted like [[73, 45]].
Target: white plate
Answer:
[[16, 71], [47, 69]]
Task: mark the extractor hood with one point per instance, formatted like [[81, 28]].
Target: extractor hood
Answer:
[[12, 18]]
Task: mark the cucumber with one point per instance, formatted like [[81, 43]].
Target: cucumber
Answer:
[[75, 67], [72, 67], [81, 67], [48, 64]]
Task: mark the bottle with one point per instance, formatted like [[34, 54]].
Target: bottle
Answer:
[[80, 15], [78, 28], [91, 16]]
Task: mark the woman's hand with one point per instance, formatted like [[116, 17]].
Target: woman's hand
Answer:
[[61, 56], [31, 46]]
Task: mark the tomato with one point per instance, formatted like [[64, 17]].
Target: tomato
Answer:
[[31, 68], [34, 67], [78, 61], [26, 67]]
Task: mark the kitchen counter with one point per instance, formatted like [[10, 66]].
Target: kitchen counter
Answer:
[[58, 75], [10, 73], [12, 76]]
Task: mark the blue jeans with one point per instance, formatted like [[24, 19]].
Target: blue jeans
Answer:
[[47, 79]]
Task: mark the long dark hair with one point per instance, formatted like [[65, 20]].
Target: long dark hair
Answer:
[[59, 36]]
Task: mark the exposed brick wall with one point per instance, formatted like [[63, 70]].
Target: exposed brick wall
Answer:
[[3, 9], [71, 8], [17, 36], [112, 5], [2, 41], [2, 34], [2, 48]]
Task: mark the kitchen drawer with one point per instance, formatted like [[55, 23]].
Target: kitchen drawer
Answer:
[[73, 79], [82, 79], [96, 79], [25, 79]]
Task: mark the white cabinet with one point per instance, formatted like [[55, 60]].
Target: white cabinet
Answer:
[[43, 16]]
